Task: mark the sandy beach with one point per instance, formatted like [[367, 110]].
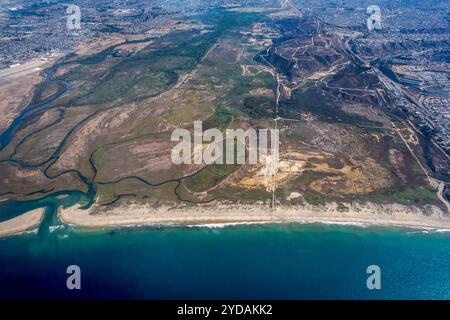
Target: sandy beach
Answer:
[[25, 222], [366, 214]]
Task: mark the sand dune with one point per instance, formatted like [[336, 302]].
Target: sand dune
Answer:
[[25, 222], [370, 214]]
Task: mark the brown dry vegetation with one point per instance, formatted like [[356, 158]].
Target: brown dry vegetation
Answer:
[[124, 148]]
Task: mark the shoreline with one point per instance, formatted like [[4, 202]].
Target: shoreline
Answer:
[[24, 223], [138, 215]]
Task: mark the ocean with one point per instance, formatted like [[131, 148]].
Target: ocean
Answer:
[[269, 261]]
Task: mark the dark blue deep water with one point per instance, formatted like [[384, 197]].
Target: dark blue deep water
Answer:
[[290, 261]]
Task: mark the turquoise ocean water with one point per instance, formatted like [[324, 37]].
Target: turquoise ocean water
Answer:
[[274, 261]]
